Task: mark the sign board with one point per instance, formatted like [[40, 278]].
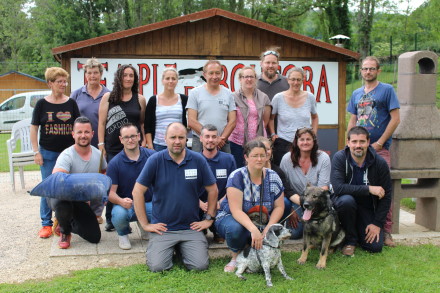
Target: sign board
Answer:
[[321, 78]]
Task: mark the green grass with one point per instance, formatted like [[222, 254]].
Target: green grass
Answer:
[[401, 269], [408, 203], [4, 164]]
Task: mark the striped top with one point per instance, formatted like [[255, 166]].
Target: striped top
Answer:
[[164, 116]]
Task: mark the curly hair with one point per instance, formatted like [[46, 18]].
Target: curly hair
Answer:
[[116, 94], [295, 153]]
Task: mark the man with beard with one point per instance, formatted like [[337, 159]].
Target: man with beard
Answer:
[[77, 216], [211, 103], [222, 165], [124, 169], [362, 192], [375, 107], [176, 176], [270, 81]]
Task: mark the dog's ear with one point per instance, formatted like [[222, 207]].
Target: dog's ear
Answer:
[[271, 238], [329, 201]]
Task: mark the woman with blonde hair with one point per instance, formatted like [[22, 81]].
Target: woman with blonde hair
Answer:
[[164, 109], [253, 113], [53, 117]]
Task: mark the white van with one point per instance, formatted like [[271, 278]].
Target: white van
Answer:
[[19, 107]]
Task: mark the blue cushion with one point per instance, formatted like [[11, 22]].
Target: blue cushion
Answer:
[[74, 187]]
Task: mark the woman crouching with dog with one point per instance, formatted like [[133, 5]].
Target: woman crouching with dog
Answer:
[[253, 203], [302, 165]]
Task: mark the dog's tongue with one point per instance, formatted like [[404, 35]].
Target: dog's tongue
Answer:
[[307, 214]]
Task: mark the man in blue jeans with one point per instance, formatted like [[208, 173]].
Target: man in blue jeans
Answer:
[[124, 169], [362, 192]]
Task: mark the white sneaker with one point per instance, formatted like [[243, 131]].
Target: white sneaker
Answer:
[[124, 242]]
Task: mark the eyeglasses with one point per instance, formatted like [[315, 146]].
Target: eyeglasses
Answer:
[[368, 68], [296, 79], [248, 77], [271, 53], [60, 82], [127, 138]]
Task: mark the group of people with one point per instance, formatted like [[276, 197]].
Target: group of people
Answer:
[[253, 153]]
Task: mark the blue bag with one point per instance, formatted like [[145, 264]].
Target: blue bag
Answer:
[[74, 187]]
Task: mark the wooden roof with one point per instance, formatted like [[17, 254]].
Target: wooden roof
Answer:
[[215, 12]]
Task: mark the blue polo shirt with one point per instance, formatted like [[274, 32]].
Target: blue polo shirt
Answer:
[[222, 165], [176, 187], [124, 172]]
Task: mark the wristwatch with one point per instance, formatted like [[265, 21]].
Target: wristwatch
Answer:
[[209, 217]]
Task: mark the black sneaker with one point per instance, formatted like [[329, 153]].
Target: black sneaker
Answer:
[[109, 227]]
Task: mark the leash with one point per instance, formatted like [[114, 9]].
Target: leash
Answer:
[[290, 214]]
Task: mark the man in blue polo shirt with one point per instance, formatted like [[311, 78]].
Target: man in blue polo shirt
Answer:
[[176, 175], [124, 169], [222, 164]]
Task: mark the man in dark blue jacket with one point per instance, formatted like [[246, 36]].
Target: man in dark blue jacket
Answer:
[[362, 192]]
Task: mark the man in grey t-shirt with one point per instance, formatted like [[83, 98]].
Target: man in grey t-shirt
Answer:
[[211, 103], [78, 216]]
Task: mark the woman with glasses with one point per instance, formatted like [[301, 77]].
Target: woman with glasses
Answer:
[[53, 116], [302, 165], [292, 109], [253, 113], [164, 109], [122, 105], [249, 190]]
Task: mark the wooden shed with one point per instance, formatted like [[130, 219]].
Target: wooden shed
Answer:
[[14, 82], [188, 41]]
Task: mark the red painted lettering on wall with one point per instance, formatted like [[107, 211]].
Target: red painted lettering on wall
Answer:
[[308, 78], [187, 89], [143, 77], [287, 68], [323, 83], [225, 77], [155, 78], [233, 72]]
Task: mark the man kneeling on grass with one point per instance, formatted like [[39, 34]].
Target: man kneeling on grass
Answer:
[[176, 175], [362, 192]]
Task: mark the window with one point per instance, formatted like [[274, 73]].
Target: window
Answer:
[[34, 100], [14, 104]]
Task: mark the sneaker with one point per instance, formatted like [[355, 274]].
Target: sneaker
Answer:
[[64, 241], [348, 250], [124, 242], [100, 220], [45, 232], [109, 227], [388, 241], [56, 228]]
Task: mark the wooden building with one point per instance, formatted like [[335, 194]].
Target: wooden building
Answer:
[[14, 82], [219, 34]]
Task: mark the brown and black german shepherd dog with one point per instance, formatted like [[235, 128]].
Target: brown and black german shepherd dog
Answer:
[[321, 224]]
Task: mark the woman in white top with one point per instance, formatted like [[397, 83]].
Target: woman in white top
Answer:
[[163, 109], [292, 109]]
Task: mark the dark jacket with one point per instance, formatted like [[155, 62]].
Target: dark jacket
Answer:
[[150, 114], [378, 174]]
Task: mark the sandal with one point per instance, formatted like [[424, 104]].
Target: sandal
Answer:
[[230, 267]]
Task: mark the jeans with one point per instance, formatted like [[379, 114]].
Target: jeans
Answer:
[[158, 147], [297, 233], [235, 234], [121, 217], [354, 219], [237, 152], [49, 160]]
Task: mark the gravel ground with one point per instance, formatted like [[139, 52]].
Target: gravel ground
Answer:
[[25, 256]]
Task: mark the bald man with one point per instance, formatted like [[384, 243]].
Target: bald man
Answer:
[[176, 176]]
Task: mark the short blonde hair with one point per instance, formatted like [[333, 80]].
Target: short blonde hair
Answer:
[[240, 73], [93, 62], [52, 73]]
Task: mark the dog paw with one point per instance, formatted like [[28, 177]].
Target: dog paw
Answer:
[[288, 278], [269, 284], [301, 261], [320, 266]]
